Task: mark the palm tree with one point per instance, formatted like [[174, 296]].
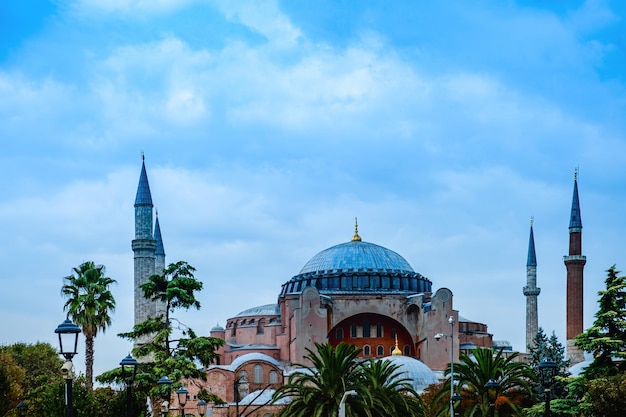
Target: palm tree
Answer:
[[387, 394], [472, 374], [89, 304], [316, 390]]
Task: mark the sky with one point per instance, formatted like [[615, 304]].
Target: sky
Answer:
[[268, 127]]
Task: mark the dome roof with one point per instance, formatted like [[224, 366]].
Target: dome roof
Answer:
[[255, 356], [264, 310], [358, 266], [356, 255], [418, 374]]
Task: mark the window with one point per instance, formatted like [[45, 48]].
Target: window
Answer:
[[366, 350], [393, 333], [353, 330], [407, 350], [258, 374], [379, 330], [273, 377], [380, 350], [339, 333], [366, 328]]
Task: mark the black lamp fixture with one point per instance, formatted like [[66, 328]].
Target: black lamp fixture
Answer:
[[22, 408], [68, 339], [165, 385], [492, 390], [129, 371], [68, 344], [183, 394], [202, 407], [456, 398], [547, 371]]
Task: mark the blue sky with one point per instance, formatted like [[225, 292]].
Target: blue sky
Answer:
[[269, 126]]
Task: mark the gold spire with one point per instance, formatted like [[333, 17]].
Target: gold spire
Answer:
[[356, 237], [397, 350]]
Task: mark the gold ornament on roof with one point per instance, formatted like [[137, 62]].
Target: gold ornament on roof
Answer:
[[396, 350], [356, 237]]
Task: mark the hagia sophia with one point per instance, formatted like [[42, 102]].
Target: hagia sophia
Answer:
[[356, 292]]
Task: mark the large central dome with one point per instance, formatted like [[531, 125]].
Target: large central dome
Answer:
[[357, 267], [354, 256]]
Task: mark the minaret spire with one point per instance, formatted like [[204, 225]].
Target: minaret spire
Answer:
[[575, 264], [531, 291]]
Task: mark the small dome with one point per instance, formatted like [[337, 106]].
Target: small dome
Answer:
[[356, 255], [264, 310], [217, 328], [418, 374]]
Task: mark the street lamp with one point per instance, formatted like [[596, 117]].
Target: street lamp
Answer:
[[456, 397], [201, 408], [438, 336], [22, 407], [342, 403], [242, 380], [165, 385], [183, 394], [492, 391], [547, 372], [129, 371], [68, 342]]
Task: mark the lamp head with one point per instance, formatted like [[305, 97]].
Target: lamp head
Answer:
[[438, 336]]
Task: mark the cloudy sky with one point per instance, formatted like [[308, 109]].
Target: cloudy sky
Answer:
[[268, 126]]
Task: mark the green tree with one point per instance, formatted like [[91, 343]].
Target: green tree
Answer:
[[11, 377], [89, 304], [167, 346], [544, 347], [606, 339], [317, 390], [472, 374]]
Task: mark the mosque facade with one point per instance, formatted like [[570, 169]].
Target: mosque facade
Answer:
[[356, 292]]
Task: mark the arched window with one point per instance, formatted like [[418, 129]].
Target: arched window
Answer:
[[379, 330], [366, 350], [258, 374], [260, 327], [339, 333], [353, 330], [366, 328], [393, 333], [407, 350], [273, 377], [380, 350]]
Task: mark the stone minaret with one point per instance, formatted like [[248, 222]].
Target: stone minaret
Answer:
[[531, 291], [574, 263], [145, 247], [159, 265]]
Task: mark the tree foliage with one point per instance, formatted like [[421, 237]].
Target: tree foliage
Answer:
[[606, 338], [544, 347], [166, 345], [472, 374], [317, 390], [89, 304]]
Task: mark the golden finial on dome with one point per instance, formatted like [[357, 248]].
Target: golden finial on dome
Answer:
[[396, 350], [356, 237]]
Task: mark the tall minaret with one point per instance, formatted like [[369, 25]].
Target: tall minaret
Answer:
[[574, 263], [531, 291], [144, 246], [159, 265]]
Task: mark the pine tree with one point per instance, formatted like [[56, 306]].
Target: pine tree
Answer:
[[544, 347], [606, 339]]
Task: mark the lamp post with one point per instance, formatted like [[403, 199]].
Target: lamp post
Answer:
[[201, 408], [492, 391], [438, 336], [165, 385], [68, 342], [183, 394], [456, 397], [547, 372], [129, 371], [243, 380], [22, 408], [342, 403]]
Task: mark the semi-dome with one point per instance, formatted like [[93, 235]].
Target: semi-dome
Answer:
[[358, 266], [418, 374]]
